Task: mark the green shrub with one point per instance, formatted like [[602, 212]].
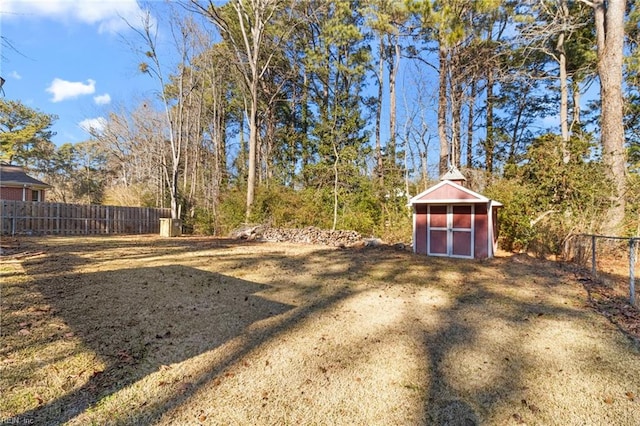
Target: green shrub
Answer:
[[632, 218], [546, 200], [277, 206], [231, 211], [203, 222], [514, 219]]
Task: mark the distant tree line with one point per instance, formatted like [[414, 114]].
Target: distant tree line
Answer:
[[273, 113]]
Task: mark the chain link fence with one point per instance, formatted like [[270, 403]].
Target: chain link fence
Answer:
[[613, 261]]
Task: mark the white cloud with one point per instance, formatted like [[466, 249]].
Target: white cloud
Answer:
[[62, 89], [108, 15], [93, 125], [15, 75], [102, 99]]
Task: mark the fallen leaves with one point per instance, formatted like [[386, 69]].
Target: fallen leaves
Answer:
[[534, 409], [184, 387], [518, 418], [605, 300], [125, 357]]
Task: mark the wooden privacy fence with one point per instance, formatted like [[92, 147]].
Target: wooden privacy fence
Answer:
[[39, 218]]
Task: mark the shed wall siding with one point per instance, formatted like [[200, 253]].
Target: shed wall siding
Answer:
[[481, 232], [421, 229], [496, 229]]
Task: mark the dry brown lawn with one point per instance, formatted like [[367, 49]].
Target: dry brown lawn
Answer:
[[144, 330]]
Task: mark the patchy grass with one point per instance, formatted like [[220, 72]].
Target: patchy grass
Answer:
[[139, 330]]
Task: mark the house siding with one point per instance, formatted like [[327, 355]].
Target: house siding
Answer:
[[17, 194], [8, 193]]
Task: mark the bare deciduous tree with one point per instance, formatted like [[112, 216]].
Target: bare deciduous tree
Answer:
[[245, 31]]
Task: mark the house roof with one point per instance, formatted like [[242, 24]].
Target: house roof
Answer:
[[448, 192], [12, 176]]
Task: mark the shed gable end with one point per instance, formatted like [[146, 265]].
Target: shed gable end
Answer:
[[447, 192]]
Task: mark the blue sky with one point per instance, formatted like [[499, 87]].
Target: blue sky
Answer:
[[71, 59]]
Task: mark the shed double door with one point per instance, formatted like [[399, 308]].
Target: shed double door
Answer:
[[450, 230]]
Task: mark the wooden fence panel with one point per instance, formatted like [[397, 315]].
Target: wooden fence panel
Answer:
[[40, 218], [64, 221]]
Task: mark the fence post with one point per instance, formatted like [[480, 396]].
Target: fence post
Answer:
[[594, 272], [14, 219], [632, 266]]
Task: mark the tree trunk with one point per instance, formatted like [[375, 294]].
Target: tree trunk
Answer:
[[609, 21], [393, 73], [456, 123], [443, 164], [564, 91], [489, 144], [472, 104], [307, 152], [425, 172], [242, 152], [425, 140], [380, 165], [253, 144], [575, 91], [336, 182]]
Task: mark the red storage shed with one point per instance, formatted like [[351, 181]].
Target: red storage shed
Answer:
[[451, 220]]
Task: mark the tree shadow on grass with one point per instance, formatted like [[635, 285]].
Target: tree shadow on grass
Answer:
[[134, 248], [138, 320], [164, 315], [469, 375]]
